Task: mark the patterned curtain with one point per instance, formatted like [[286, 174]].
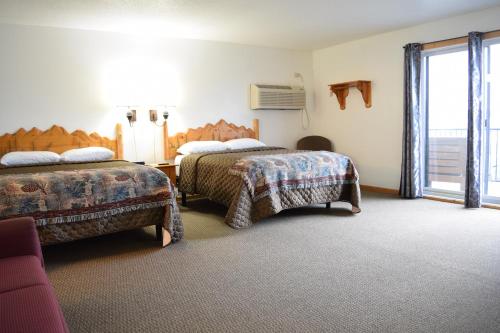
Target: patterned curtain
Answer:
[[411, 185], [473, 184]]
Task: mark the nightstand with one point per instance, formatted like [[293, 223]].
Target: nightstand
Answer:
[[168, 169]]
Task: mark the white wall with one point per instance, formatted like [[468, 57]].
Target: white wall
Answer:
[[373, 137], [59, 76]]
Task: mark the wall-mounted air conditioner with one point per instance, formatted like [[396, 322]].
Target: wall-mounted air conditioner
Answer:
[[274, 97]]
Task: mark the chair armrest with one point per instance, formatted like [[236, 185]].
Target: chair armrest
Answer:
[[18, 237]]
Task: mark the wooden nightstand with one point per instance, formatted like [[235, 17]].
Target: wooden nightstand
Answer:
[[168, 169]]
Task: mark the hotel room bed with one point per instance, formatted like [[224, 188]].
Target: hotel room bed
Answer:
[[220, 178], [70, 201], [79, 200], [259, 182]]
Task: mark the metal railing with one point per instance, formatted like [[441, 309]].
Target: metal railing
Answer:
[[493, 157]]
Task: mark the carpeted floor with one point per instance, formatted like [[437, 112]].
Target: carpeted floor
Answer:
[[399, 266]]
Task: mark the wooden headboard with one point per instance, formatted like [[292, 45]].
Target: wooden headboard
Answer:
[[58, 140], [221, 131]]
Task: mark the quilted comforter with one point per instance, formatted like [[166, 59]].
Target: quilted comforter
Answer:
[[260, 182], [59, 194]]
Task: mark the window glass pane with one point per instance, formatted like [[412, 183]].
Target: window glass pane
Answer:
[[447, 121], [493, 84]]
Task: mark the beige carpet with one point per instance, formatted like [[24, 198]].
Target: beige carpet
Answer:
[[399, 266]]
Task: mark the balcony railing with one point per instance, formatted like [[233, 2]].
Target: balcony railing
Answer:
[[442, 137]]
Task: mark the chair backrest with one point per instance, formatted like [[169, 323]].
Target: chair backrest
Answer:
[[314, 142]]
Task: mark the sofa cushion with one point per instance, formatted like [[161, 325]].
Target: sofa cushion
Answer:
[[31, 309], [21, 272], [18, 237]]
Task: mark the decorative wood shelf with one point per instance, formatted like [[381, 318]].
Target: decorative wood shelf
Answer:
[[342, 90]]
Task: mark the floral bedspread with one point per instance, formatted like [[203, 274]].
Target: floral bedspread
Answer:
[[85, 194], [264, 175]]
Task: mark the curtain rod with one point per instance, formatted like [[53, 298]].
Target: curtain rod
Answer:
[[457, 40]]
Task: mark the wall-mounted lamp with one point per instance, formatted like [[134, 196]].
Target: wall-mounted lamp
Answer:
[[132, 117], [153, 116], [168, 109]]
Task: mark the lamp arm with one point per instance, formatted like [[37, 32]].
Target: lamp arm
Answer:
[[165, 118]]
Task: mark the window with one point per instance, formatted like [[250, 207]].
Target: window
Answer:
[[445, 104]]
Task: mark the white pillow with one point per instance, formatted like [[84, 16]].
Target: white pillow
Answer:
[[29, 157], [195, 147], [88, 154], [244, 143]]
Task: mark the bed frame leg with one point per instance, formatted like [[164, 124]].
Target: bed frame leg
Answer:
[[166, 238], [163, 235], [159, 234], [328, 205], [184, 199]]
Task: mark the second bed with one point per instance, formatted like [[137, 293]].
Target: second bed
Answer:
[[255, 183]]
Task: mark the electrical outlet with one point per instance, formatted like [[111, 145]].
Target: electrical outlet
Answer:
[[153, 115]]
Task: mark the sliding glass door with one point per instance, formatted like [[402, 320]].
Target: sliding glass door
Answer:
[[445, 91], [445, 104], [492, 135]]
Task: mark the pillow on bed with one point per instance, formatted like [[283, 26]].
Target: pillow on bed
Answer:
[[195, 147], [244, 143], [87, 154], [29, 158]]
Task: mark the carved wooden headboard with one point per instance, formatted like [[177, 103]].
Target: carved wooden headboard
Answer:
[[58, 140], [221, 131]]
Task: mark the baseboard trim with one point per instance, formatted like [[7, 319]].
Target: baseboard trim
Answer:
[[491, 206], [444, 199], [458, 201], [377, 189]]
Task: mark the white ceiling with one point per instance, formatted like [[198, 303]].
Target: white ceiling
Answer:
[[294, 24]]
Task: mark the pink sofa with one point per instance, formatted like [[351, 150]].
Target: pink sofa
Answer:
[[27, 300]]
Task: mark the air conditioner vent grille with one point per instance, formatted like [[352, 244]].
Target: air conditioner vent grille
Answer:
[[275, 97]]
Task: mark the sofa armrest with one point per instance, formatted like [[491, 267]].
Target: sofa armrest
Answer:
[[18, 237]]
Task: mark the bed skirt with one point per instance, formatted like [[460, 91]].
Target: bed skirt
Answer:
[[67, 232]]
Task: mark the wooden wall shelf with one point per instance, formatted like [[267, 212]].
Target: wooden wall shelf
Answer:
[[342, 90]]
